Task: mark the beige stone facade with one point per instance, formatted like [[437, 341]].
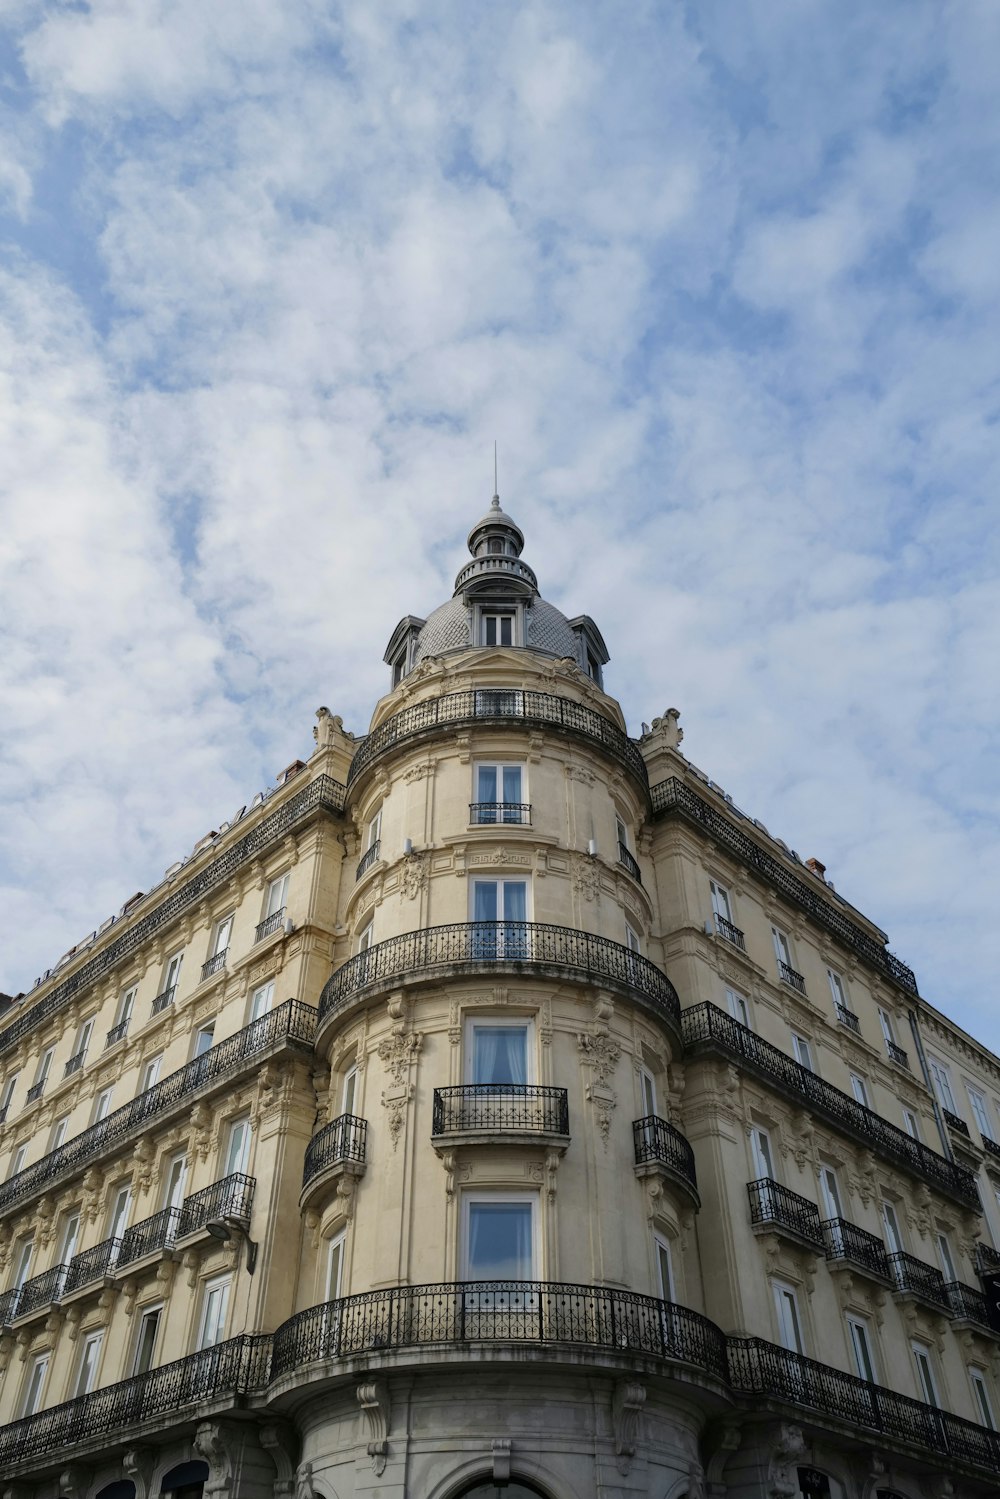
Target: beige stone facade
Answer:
[[495, 1105]]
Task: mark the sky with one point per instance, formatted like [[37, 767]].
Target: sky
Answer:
[[721, 280]]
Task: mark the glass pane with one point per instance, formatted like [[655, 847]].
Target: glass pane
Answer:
[[486, 790], [500, 1054], [334, 1270], [485, 900], [500, 1241], [350, 1088], [512, 783], [663, 1265], [506, 630], [515, 900]]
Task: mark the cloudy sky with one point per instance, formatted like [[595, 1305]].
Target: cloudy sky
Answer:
[[721, 278]]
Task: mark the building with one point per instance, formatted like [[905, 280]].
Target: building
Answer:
[[493, 1106]]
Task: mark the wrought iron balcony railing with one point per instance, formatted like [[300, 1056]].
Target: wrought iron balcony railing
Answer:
[[990, 1146], [968, 1304], [519, 946], [846, 1241], [897, 1054], [92, 1265], [500, 1108], [731, 933], [628, 861], [656, 1142], [3, 1112], [343, 1139], [40, 1291], [161, 1001], [847, 1017], [915, 1278], [775, 1206], [756, 1367], [500, 705], [232, 1197], [35, 1091], [673, 797], [324, 793], [269, 924], [707, 1028], [215, 964], [987, 1259], [116, 1033], [232, 1368], [368, 860], [499, 1311], [955, 1123], [512, 813], [291, 1024], [789, 976], [8, 1304], [75, 1062]]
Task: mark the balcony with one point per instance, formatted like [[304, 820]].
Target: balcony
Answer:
[[269, 924], [847, 1017], [657, 1143], [706, 1028], [40, 1292], [290, 1025], [897, 1054], [731, 933], [368, 860], [500, 1109], [520, 947], [3, 1113], [629, 863], [775, 1209], [340, 1147], [957, 1125], [968, 1304], [116, 1033], [161, 1001], [75, 1062], [991, 1147], [790, 977], [516, 814], [439, 716], [35, 1091], [822, 904], [91, 1266], [987, 1259], [854, 1246], [215, 964], [8, 1305], [232, 1197], [913, 1278]]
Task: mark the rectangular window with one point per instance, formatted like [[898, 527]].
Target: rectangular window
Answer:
[[721, 906], [350, 1091], [787, 1308], [6, 1097], [499, 793], [497, 629], [893, 1237], [738, 1007], [57, 1133], [981, 1110], [70, 1239], [238, 1151], [150, 1074], [145, 1344], [102, 1105], [803, 1052], [830, 1192], [925, 1373], [499, 1237], [365, 937], [35, 1384], [499, 1053], [83, 1040], [664, 1269], [911, 1124], [42, 1075], [632, 939], [647, 1085], [119, 1212], [499, 909], [374, 832], [982, 1397], [176, 1181], [220, 941], [942, 1084], [760, 1152], [277, 896], [885, 1021], [90, 1355], [17, 1161], [173, 972], [125, 1007], [24, 1256], [213, 1317], [261, 1001], [945, 1257], [204, 1040], [837, 989], [781, 948], [335, 1268], [859, 1089], [862, 1348]]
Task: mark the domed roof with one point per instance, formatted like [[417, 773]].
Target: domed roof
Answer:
[[450, 628]]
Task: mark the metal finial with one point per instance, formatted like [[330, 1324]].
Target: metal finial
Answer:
[[495, 504]]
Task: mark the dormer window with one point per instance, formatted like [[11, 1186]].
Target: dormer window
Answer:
[[497, 629], [496, 546], [398, 670]]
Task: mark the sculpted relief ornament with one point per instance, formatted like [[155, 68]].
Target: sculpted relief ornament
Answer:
[[398, 1050]]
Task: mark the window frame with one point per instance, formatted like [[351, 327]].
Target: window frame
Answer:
[[831, 1194], [337, 1245], [272, 907], [17, 1160], [523, 1023], [980, 1111], [150, 1075], [926, 1378], [785, 1294], [893, 1232], [662, 1253], [761, 1153], [911, 1123], [737, 1000], [219, 1286], [172, 971], [267, 988], [499, 766], [497, 615], [35, 1381], [44, 1067], [222, 934], [859, 1088], [7, 1097], [239, 1167], [719, 895], [102, 1104], [175, 1174], [86, 1379], [838, 989], [203, 1030], [126, 1006], [471, 1199], [802, 1049], [981, 1393], [862, 1348], [941, 1083], [147, 1313]]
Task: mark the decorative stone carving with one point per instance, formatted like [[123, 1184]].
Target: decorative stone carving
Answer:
[[586, 877], [304, 1486], [414, 878], [279, 1439], [214, 1442], [373, 1398], [667, 728], [601, 1053], [398, 1051], [137, 1464], [626, 1405], [788, 1451], [74, 1482], [395, 1109]]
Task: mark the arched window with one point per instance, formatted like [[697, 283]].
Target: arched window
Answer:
[[123, 1488], [485, 1488], [186, 1481]]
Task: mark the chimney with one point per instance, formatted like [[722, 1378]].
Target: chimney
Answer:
[[818, 869]]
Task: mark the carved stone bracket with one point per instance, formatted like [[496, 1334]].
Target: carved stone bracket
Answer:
[[500, 1449], [787, 1451], [626, 1406], [74, 1482], [373, 1398], [278, 1439], [137, 1464], [215, 1442]]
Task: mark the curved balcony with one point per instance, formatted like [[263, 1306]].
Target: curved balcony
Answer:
[[520, 947], [504, 706], [500, 1110], [368, 859], [501, 1312], [339, 1148], [659, 1146], [629, 862]]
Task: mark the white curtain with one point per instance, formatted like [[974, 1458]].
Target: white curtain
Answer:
[[500, 1241], [500, 1054]]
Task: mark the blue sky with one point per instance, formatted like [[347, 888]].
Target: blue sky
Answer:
[[723, 281]]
